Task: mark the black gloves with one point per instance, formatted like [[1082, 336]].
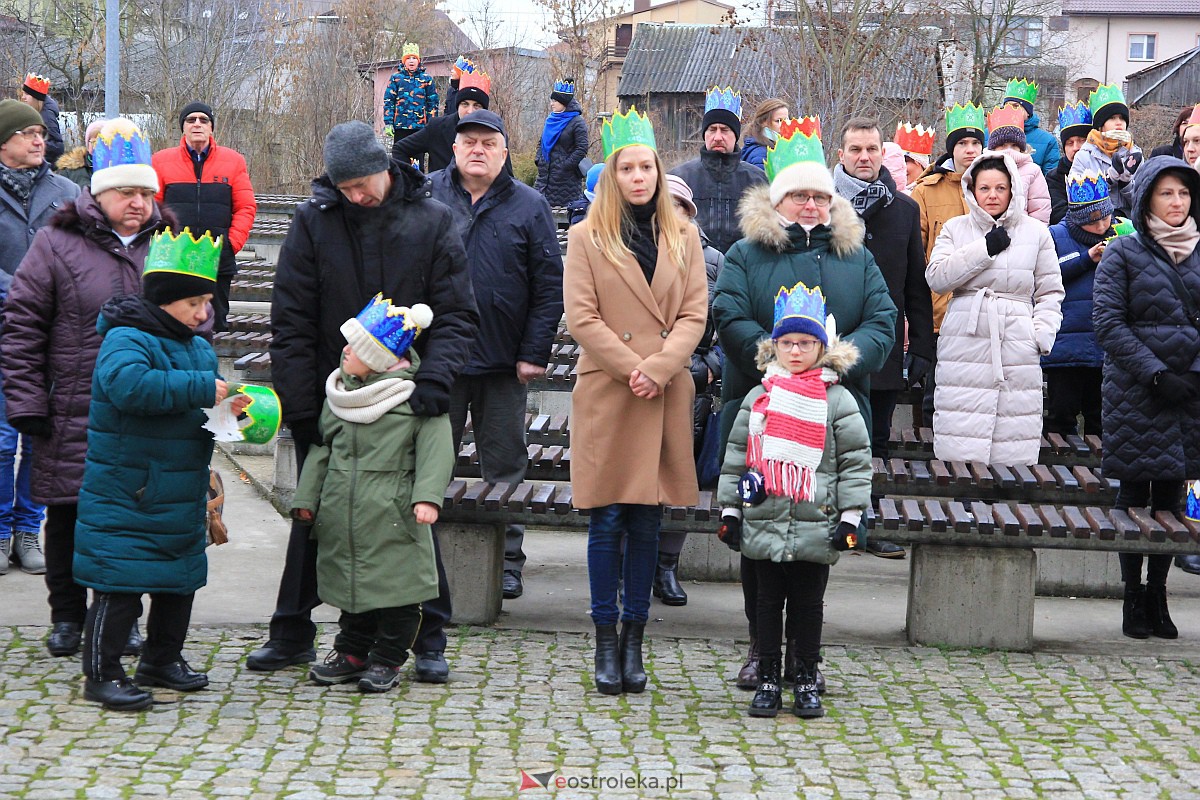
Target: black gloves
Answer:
[[32, 426], [730, 532], [918, 369], [1175, 388], [845, 537], [997, 240], [306, 433], [429, 400]]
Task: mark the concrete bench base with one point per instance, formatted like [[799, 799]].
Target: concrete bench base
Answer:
[[1071, 573], [473, 555], [971, 596]]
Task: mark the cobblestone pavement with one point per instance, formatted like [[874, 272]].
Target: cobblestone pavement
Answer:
[[902, 722]]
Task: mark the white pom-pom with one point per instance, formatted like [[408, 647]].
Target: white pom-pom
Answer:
[[421, 315], [830, 326]]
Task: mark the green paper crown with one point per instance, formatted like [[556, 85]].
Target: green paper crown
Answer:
[[1021, 89], [622, 130], [959, 117], [1121, 227], [184, 254], [264, 413], [797, 147], [1105, 94]]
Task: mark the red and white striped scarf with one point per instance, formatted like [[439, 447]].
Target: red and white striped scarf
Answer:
[[787, 431]]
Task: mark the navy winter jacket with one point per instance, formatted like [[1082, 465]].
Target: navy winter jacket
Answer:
[[1075, 345]]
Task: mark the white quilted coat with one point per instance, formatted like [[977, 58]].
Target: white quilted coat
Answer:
[[1003, 317]]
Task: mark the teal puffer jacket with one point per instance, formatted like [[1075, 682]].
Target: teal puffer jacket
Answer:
[[141, 521]]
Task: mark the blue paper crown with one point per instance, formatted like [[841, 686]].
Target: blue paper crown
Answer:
[[800, 309], [1073, 114], [465, 64], [394, 327], [1192, 511], [726, 99], [120, 142], [1086, 187], [564, 87]]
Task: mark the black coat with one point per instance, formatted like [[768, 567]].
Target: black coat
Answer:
[[718, 181], [516, 270], [54, 139], [337, 256], [436, 139], [1142, 327], [1056, 183], [894, 237], [559, 179]]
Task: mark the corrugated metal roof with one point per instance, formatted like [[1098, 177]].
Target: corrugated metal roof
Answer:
[[668, 58], [1161, 8]]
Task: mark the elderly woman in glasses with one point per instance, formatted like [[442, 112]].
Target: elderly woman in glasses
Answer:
[[797, 230]]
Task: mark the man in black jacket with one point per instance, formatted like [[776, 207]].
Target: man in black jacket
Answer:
[[893, 235], [370, 226], [437, 138], [516, 269]]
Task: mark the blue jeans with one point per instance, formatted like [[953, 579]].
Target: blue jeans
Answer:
[[18, 512], [607, 526]]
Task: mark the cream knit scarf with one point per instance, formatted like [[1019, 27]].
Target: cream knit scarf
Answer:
[[366, 403], [1179, 242]]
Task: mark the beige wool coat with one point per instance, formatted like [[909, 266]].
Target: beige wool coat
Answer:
[[625, 449]]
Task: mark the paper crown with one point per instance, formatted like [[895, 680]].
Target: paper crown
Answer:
[[725, 99], [1074, 115], [1194, 119], [1192, 508], [263, 415], [1122, 227], [476, 78], [393, 327], [1086, 187], [1005, 117], [184, 254], [799, 140], [918, 140], [461, 65], [410, 49], [1021, 89], [800, 310], [960, 117], [564, 87], [622, 130], [1105, 94], [37, 83], [120, 142]]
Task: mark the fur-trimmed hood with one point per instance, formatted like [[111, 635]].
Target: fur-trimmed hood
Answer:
[[840, 356], [72, 159], [760, 223]]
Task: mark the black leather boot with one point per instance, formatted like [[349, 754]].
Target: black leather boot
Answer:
[[1157, 617], [748, 675], [133, 646], [807, 704], [666, 584], [117, 695], [1133, 613], [608, 660], [633, 674], [792, 663], [769, 697]]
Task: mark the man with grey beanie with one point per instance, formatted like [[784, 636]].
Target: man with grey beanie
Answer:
[[371, 226]]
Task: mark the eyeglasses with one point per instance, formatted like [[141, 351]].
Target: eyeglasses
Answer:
[[128, 192], [802, 345], [197, 118], [802, 198], [32, 133]]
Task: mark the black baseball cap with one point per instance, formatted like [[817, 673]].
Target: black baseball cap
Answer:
[[482, 119]]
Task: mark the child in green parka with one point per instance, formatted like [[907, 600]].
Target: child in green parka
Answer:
[[371, 491], [794, 485]]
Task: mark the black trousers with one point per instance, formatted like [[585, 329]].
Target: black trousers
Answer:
[[800, 584], [930, 388], [220, 302], [1160, 496], [883, 406], [68, 600], [383, 635], [292, 625], [1071, 391], [110, 619]]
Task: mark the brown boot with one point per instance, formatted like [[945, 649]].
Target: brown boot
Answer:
[[748, 676]]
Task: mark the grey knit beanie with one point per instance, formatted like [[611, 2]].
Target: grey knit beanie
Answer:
[[352, 151]]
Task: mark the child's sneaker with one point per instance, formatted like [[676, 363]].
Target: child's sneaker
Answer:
[[379, 678], [338, 668]]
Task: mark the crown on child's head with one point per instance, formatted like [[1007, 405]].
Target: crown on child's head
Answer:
[[800, 310], [184, 254], [960, 117], [625, 129], [1075, 114], [726, 99], [1105, 94], [39, 84], [918, 140], [409, 49], [1021, 89], [382, 333], [1086, 187], [799, 140], [1005, 117]]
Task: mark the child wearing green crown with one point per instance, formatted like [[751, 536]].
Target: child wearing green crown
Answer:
[[1109, 150], [141, 527], [372, 491]]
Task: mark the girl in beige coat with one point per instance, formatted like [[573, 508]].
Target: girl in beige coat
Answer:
[[1003, 316], [636, 301]]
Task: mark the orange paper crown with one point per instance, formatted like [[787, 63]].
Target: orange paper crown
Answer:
[[477, 79], [809, 126], [1005, 117], [918, 140], [1194, 119], [37, 83]]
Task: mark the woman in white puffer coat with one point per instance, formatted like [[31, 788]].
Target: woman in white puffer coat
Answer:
[[1005, 311]]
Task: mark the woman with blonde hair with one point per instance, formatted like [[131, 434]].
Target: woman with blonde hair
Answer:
[[636, 301]]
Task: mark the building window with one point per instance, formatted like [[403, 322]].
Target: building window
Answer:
[[1141, 46], [1024, 38]]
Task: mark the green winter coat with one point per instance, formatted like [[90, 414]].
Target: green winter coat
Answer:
[[778, 529], [361, 485]]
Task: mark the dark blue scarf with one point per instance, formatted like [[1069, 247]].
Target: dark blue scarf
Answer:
[[556, 123]]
